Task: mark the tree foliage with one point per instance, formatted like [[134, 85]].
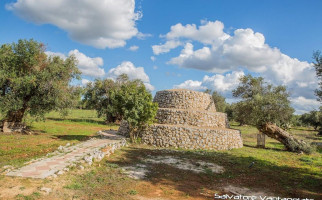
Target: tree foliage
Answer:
[[97, 96], [220, 102], [262, 102], [123, 100], [33, 83], [318, 69], [267, 107], [313, 118]]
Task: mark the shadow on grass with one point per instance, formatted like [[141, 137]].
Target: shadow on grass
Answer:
[[262, 176], [304, 129], [73, 137], [93, 121], [268, 148]]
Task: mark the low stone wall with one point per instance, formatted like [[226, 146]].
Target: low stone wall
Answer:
[[184, 99], [191, 118], [192, 138], [124, 129]]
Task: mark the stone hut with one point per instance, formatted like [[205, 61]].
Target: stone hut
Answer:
[[188, 119]]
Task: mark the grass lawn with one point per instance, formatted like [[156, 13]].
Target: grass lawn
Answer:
[[15, 149], [275, 171]]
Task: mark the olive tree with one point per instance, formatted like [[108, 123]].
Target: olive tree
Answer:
[[318, 69], [134, 103], [123, 99], [220, 102], [33, 83], [267, 107], [97, 96], [312, 118]]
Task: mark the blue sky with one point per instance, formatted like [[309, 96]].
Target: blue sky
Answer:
[[194, 44]]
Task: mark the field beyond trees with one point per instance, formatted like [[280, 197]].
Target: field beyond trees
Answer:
[[269, 171]]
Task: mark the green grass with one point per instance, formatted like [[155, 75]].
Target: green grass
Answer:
[[102, 182], [276, 170], [80, 125], [33, 196]]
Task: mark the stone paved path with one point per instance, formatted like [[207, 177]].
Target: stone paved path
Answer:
[[50, 166]]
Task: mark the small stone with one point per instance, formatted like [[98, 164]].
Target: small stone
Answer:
[[67, 145], [60, 172], [81, 167], [46, 190], [60, 148], [66, 169], [7, 167]]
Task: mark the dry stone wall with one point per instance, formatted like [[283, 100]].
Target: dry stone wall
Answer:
[[192, 137], [191, 118], [188, 119], [184, 99]]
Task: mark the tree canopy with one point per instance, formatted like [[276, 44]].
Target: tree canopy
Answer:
[[313, 118], [318, 69], [122, 99], [33, 83], [262, 102], [267, 107], [220, 102]]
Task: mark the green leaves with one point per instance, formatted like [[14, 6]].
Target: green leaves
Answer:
[[262, 103], [220, 102], [31, 82], [318, 69], [122, 100]]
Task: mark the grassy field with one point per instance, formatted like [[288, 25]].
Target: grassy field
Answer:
[[275, 171], [80, 125]]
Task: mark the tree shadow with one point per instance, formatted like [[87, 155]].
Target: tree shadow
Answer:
[[261, 176], [268, 148], [73, 137], [303, 129], [93, 121]]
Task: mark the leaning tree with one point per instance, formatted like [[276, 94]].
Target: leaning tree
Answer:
[[32, 82], [267, 107]]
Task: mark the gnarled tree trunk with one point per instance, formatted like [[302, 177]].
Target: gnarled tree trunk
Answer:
[[13, 122], [291, 143]]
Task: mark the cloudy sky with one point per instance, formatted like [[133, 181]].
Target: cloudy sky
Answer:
[[195, 44]]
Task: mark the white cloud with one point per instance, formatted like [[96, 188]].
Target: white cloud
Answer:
[[52, 54], [99, 23], [153, 58], [244, 49], [133, 72], [134, 48], [303, 105], [155, 67], [87, 65], [164, 48], [223, 84], [208, 33], [143, 36], [85, 82], [192, 85]]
